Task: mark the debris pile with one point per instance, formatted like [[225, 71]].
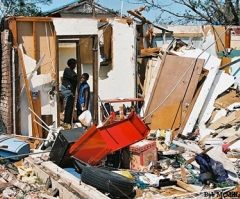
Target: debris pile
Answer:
[[22, 182]]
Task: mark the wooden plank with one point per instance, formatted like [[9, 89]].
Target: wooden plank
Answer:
[[29, 97], [13, 28], [189, 161], [232, 138], [183, 174], [220, 44], [143, 19], [31, 19], [225, 100], [123, 100], [226, 60], [36, 99], [187, 35], [150, 50], [228, 38], [223, 121], [190, 188], [148, 74], [95, 77], [107, 37]]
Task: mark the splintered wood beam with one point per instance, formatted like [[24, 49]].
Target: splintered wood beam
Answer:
[[143, 19], [35, 132], [13, 28], [150, 50], [36, 19], [193, 158]]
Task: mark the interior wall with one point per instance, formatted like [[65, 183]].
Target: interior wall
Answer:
[[38, 43], [121, 79], [65, 53]]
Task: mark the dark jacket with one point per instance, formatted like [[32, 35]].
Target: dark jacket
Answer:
[[69, 79]]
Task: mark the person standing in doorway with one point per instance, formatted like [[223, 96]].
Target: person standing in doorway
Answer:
[[83, 94], [68, 89]]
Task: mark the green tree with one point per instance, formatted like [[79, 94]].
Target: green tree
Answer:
[[24, 7], [224, 12]]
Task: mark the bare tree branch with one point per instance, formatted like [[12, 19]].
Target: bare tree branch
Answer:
[[194, 11]]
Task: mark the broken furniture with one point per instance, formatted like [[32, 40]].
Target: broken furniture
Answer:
[[96, 143], [59, 153], [16, 150]]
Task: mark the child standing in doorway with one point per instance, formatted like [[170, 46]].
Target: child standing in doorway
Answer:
[[83, 94]]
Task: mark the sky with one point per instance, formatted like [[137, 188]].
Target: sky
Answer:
[[112, 4]]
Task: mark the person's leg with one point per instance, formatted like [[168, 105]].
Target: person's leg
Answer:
[[68, 110], [79, 109]]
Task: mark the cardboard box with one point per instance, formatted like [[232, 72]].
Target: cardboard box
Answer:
[[142, 154], [142, 145]]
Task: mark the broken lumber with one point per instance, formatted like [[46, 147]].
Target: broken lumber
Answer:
[[150, 50], [203, 152], [183, 174], [190, 188]]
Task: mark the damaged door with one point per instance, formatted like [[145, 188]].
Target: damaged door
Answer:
[[173, 91]]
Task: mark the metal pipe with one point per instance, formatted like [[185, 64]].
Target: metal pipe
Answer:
[[103, 106], [29, 137], [41, 125], [38, 117]]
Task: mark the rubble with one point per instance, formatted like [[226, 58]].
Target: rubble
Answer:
[[179, 139]]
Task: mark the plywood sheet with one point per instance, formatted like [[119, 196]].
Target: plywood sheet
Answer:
[[176, 82], [225, 100], [107, 35], [148, 75], [171, 114], [25, 37], [86, 52], [45, 44], [223, 121]]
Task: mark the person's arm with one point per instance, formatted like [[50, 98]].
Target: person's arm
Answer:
[[87, 97]]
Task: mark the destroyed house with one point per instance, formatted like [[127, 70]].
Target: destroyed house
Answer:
[[38, 49], [187, 77]]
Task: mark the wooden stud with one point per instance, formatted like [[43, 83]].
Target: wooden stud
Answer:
[[95, 80]]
